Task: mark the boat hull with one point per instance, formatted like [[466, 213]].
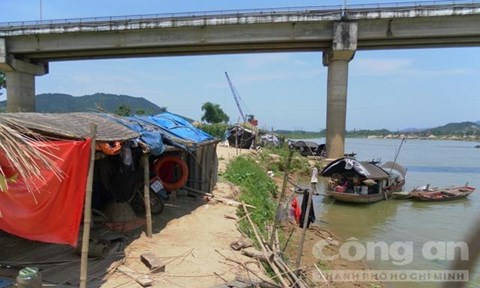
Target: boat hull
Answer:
[[356, 198], [440, 195], [402, 195]]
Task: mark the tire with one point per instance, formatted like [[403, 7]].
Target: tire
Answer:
[[138, 201], [170, 163], [98, 219], [156, 203]]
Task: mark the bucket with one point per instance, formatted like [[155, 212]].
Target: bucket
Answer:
[[364, 190], [29, 277]]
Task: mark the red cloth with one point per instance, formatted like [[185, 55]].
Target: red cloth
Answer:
[[296, 210], [54, 213]]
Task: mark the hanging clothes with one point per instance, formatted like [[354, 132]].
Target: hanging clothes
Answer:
[[311, 216], [295, 210]]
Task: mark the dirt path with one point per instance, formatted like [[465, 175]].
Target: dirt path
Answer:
[[192, 237]]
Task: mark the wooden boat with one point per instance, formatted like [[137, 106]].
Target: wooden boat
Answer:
[[442, 194], [363, 182], [356, 198], [402, 195], [308, 148], [240, 137]]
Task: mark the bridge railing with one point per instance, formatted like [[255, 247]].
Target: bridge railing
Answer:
[[314, 10], [179, 15], [417, 4]]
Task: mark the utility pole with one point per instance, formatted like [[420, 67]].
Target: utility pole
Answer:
[[41, 18], [344, 12]]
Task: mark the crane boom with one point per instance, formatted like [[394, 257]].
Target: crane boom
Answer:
[[236, 97]]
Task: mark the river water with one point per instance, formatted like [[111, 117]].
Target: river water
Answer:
[[407, 229]]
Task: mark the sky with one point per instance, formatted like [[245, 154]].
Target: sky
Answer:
[[394, 89]]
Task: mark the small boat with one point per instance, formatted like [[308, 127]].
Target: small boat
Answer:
[[240, 137], [442, 194], [307, 148], [361, 181], [402, 195]]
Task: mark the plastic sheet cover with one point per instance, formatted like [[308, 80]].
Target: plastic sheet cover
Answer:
[[54, 212]]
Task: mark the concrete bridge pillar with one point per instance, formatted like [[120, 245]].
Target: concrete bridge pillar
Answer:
[[20, 76], [337, 58]]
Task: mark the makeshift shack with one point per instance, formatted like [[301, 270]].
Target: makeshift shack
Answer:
[[241, 137], [54, 214], [307, 148], [180, 138]]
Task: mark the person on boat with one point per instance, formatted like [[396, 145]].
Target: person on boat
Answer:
[[356, 185], [341, 188]]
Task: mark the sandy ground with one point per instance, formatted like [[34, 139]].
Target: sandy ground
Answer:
[[192, 237]]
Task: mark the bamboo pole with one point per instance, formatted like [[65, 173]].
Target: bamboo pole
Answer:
[[264, 250], [280, 198], [227, 201], [285, 269], [323, 276], [146, 194], [87, 211]]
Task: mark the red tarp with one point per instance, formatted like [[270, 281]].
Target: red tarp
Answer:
[[56, 214]]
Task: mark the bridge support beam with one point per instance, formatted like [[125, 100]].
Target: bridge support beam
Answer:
[[20, 80], [337, 58]]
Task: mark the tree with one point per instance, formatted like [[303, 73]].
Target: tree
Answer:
[[213, 113], [123, 110], [140, 112]]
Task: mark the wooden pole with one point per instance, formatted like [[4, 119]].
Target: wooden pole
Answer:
[[264, 250], [323, 276], [87, 211], [280, 198], [146, 195], [304, 231]]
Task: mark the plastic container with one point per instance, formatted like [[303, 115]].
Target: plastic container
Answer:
[[364, 190], [29, 277]]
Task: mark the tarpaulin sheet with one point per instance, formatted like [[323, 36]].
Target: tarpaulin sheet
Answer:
[[54, 213], [178, 126]]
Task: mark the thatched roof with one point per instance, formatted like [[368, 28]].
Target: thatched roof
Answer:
[[71, 125], [17, 151]]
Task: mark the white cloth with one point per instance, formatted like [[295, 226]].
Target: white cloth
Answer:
[[314, 178]]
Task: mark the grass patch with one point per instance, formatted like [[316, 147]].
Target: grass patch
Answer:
[[257, 190]]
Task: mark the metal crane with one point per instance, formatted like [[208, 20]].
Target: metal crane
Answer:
[[236, 97]]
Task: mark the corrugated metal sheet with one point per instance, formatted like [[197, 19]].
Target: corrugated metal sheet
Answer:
[[203, 167]]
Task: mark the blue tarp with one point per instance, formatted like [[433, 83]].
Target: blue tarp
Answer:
[[177, 126], [164, 128], [151, 135]]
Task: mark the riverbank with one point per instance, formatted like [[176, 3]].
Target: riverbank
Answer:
[[316, 237], [192, 238]]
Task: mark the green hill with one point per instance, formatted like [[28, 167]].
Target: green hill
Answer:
[[450, 129], [99, 102], [462, 128]]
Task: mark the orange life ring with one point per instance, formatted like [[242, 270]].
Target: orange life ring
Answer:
[[167, 169], [108, 148]]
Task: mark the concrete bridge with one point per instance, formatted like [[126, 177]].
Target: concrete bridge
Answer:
[[26, 48]]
